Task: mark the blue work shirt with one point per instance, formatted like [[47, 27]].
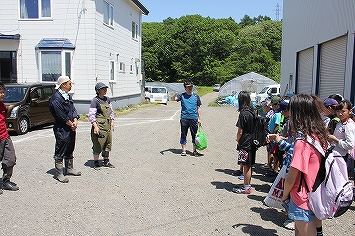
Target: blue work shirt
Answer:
[[189, 105]]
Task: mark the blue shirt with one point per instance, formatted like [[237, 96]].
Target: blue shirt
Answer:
[[274, 120], [189, 105]]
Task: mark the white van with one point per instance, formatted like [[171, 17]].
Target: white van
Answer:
[[270, 90], [156, 94]]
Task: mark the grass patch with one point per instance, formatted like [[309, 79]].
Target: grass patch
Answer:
[[124, 110], [202, 90]]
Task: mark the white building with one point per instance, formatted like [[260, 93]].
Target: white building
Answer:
[[318, 47], [88, 40]]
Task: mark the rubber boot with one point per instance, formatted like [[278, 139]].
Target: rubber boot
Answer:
[[69, 170], [107, 163], [6, 183], [59, 173]]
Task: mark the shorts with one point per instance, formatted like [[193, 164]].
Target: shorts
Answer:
[[299, 214], [246, 158]]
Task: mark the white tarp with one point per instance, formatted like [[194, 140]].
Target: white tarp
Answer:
[[252, 82]]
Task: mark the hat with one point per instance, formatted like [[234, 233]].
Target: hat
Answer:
[[266, 103], [275, 100], [330, 102], [99, 86], [62, 79], [284, 104], [188, 83]]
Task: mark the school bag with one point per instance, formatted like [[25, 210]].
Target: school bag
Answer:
[[332, 192], [260, 131]]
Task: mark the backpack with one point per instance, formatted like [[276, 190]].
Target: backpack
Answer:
[[260, 131], [332, 192]]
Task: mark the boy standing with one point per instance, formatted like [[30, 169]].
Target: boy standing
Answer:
[[7, 156]]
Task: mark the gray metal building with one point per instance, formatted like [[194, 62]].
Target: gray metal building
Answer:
[[318, 47]]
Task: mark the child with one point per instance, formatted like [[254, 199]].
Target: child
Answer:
[[8, 156]]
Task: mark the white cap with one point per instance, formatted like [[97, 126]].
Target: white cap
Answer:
[[62, 79]]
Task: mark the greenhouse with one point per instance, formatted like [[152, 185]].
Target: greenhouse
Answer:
[[252, 82]]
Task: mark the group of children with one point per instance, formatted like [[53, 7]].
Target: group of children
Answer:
[[329, 121]]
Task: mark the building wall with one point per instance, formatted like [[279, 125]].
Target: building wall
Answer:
[[95, 45], [307, 24]]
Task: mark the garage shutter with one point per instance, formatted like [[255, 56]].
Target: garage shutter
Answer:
[[305, 71], [332, 67]]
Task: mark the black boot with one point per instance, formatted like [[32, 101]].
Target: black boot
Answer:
[[70, 169], [107, 163], [6, 183], [59, 172]]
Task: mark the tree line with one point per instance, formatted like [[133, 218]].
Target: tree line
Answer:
[[208, 51]]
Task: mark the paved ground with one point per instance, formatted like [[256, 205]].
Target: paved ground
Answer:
[[153, 190]]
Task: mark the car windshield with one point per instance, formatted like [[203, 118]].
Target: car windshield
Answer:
[[14, 94], [158, 90], [264, 90]]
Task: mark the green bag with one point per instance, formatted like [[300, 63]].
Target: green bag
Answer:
[[201, 139]]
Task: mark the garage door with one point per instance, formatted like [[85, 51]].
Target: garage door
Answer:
[[305, 71], [332, 67]]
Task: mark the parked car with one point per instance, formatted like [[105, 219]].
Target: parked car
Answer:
[[156, 94], [216, 87], [268, 91], [27, 106]]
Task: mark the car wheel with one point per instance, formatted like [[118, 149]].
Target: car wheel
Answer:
[[22, 125]]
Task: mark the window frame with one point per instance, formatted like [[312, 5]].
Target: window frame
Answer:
[[39, 10], [64, 54], [112, 68], [109, 12], [135, 29]]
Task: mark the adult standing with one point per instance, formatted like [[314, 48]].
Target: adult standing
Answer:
[[247, 152], [102, 118], [190, 115], [66, 118]]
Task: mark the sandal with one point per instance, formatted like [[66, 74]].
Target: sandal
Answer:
[[183, 153]]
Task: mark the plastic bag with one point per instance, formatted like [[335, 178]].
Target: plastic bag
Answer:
[[273, 198], [200, 139]]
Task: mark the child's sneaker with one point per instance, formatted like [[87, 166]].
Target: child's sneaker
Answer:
[[265, 167], [242, 190]]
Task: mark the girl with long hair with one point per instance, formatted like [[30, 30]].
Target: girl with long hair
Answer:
[[246, 152], [305, 119]]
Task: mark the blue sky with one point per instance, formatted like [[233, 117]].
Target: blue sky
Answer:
[[159, 10]]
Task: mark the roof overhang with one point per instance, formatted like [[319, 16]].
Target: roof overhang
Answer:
[[141, 7], [9, 37], [55, 43]]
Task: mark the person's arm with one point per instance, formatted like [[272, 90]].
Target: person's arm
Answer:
[[199, 114], [289, 182], [239, 135]]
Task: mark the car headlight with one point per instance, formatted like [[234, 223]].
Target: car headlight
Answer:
[[14, 112]]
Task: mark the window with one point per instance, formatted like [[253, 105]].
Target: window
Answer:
[[134, 30], [54, 64], [108, 14], [122, 69], [35, 9], [112, 70]]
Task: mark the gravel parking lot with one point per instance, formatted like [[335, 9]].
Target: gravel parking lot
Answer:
[[152, 191]]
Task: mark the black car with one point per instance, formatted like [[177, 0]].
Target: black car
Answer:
[[27, 106]]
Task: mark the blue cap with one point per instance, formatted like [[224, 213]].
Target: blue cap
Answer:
[[284, 104]]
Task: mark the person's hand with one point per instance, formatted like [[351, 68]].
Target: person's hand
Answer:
[[96, 130], [285, 197], [273, 137]]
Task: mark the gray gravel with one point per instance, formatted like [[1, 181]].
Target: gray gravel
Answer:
[[152, 191]]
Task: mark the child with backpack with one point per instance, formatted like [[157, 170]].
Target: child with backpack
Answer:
[[306, 161]]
